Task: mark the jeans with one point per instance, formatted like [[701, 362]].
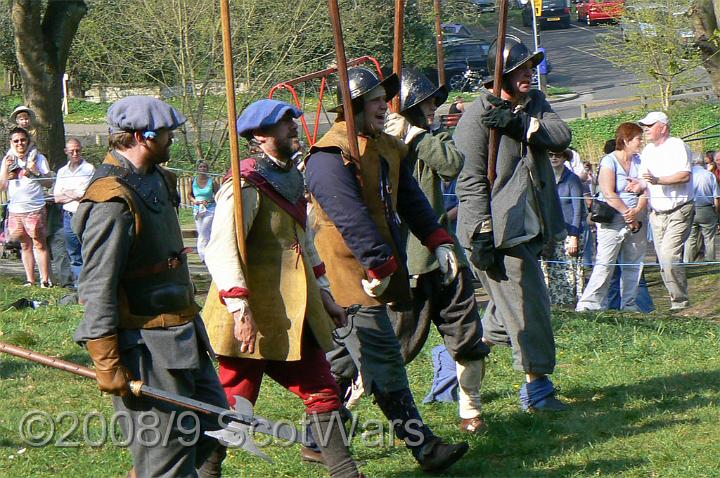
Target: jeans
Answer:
[[615, 240], [73, 246]]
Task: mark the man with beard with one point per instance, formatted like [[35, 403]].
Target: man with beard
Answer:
[[357, 202], [505, 225], [433, 158], [141, 320], [274, 315]]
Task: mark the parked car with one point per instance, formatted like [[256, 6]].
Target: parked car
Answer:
[[554, 12], [595, 11], [464, 54], [455, 31], [484, 5]]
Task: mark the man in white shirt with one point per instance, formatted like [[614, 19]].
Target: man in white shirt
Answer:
[[23, 173], [667, 174], [707, 206], [70, 185]]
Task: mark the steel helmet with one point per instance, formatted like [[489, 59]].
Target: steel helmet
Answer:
[[363, 80], [515, 55], [416, 88]]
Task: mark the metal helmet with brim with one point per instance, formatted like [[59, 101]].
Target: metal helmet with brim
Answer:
[[415, 88], [363, 80], [515, 55]]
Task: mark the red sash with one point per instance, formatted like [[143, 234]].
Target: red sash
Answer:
[[298, 211]]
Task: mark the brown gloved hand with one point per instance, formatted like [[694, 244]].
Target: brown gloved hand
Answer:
[[112, 377]]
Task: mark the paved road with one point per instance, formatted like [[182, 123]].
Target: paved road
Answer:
[[576, 60]]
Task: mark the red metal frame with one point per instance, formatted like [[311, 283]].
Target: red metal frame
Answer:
[[323, 76]]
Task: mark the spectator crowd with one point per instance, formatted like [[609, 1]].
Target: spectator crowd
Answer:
[[658, 192]]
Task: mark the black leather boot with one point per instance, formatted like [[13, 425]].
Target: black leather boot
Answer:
[[431, 452], [333, 441], [211, 467]]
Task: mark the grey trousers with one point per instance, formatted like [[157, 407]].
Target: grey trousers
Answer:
[[703, 231], [670, 232], [371, 347], [157, 453], [518, 313]]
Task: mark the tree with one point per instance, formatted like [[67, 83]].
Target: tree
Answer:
[[43, 34], [655, 45], [705, 15]]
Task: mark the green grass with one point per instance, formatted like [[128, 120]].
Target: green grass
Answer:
[[643, 390], [589, 135], [558, 90]]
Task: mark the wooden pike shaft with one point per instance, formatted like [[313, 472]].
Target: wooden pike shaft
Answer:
[[232, 128], [344, 86], [439, 43], [136, 386], [398, 48], [494, 140], [46, 360]]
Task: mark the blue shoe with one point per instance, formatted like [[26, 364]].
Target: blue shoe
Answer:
[[549, 404], [539, 396]]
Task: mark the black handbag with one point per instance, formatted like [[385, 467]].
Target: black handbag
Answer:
[[601, 212]]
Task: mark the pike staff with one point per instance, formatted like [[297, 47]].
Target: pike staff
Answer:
[[494, 141], [344, 86], [439, 43], [398, 48], [232, 127]]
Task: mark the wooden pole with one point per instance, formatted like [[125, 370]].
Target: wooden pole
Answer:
[[439, 44], [494, 141], [344, 85], [232, 128], [398, 48]]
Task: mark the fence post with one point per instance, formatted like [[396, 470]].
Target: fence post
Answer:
[[583, 111]]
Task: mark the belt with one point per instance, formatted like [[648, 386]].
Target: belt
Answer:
[[172, 262], [160, 321], [670, 211]]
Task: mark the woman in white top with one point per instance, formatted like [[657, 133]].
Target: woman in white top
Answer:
[[24, 173], [626, 234]]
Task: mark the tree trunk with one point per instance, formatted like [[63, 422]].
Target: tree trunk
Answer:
[[42, 44], [704, 14]]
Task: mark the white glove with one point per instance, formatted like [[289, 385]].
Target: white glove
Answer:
[[448, 262], [396, 125], [376, 287]]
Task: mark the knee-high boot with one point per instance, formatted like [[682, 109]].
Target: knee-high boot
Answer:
[[212, 466], [430, 451], [332, 440]]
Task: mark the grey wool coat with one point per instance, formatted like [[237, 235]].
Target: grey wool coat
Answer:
[[523, 169]]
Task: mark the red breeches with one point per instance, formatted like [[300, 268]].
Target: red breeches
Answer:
[[309, 378]]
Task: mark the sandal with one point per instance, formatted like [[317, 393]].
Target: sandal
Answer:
[[28, 284]]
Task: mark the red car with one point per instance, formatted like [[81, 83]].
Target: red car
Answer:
[[594, 11]]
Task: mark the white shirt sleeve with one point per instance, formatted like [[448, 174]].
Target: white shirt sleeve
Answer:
[[222, 256]]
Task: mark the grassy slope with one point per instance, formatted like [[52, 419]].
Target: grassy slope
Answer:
[[643, 388]]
